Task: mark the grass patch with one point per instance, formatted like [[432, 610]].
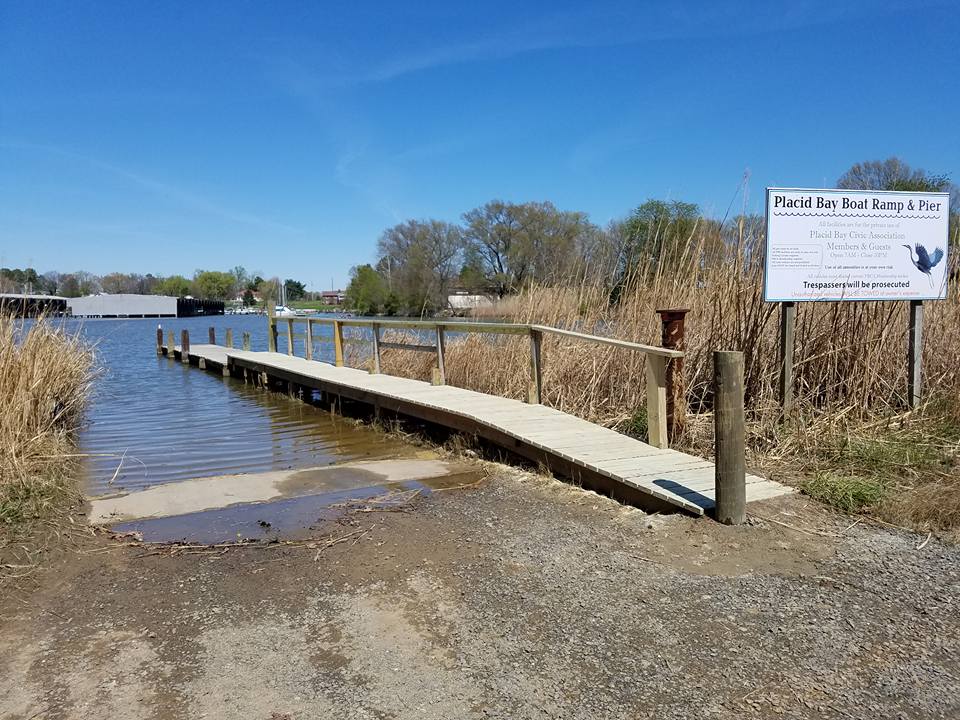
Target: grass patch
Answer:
[[317, 305], [849, 493]]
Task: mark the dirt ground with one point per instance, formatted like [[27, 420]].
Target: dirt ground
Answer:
[[520, 598]]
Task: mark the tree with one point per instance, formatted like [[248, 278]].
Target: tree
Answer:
[[175, 285], [240, 277], [248, 299], [892, 174], [367, 292], [655, 235], [213, 285], [294, 290], [516, 244], [420, 259], [69, 286]]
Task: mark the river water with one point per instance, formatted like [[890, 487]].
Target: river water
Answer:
[[152, 420]]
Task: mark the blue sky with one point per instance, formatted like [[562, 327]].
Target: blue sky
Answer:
[[166, 137]]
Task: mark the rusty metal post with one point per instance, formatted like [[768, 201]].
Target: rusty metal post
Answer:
[[672, 327]]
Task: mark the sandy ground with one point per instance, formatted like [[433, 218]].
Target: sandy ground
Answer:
[[520, 598]]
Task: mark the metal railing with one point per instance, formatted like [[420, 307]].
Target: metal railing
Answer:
[[657, 358]]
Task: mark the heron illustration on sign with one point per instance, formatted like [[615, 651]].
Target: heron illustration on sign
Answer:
[[924, 262]]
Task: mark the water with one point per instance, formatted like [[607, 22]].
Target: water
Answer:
[[152, 420]]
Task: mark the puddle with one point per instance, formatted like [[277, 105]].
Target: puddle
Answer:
[[292, 518]]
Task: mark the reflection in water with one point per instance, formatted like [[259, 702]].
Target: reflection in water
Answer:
[[153, 420]]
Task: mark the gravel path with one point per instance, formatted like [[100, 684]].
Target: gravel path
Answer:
[[521, 598]]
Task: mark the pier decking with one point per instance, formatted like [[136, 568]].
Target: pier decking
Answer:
[[600, 458]]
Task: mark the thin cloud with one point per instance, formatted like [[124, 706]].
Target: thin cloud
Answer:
[[188, 199]]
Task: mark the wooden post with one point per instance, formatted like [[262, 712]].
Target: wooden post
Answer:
[[271, 329], [730, 482], [915, 356], [441, 351], [788, 318], [246, 341], [289, 336], [376, 348], [657, 401], [308, 342], [170, 345], [535, 386], [228, 341], [337, 343], [159, 340], [212, 335], [672, 337], [185, 345]]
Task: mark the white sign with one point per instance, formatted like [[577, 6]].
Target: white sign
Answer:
[[855, 245]]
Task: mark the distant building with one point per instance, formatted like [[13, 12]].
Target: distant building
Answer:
[[32, 305], [141, 306], [333, 297], [462, 300]]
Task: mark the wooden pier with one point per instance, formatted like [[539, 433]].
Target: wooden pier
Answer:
[[649, 475]]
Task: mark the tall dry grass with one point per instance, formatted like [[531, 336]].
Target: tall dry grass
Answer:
[[45, 378], [850, 362]]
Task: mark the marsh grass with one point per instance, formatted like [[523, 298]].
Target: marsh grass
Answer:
[[850, 371], [45, 378]]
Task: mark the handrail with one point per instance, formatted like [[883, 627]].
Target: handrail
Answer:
[[488, 327], [602, 340], [656, 364]]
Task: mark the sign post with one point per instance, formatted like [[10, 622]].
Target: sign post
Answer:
[[854, 245]]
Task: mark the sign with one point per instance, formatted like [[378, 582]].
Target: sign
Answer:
[[855, 245]]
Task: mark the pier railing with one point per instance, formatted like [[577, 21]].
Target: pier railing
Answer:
[[662, 386]]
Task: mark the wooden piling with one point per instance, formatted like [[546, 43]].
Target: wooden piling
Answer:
[[441, 352], [171, 353], [159, 340], [376, 348], [788, 319], [338, 343], [308, 341], [185, 345], [656, 376], [246, 341], [730, 482], [915, 354], [271, 328], [535, 385], [289, 336], [228, 338], [672, 337], [212, 335]]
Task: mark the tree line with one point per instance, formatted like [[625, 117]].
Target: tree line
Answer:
[[502, 247], [205, 284]]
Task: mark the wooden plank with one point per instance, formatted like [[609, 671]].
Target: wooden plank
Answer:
[[308, 343], [408, 346]]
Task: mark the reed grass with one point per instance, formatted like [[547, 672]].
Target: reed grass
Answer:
[[45, 379], [850, 368]]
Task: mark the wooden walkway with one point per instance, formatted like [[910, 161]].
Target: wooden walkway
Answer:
[[605, 460]]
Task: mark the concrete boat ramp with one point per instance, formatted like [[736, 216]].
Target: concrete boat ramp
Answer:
[[656, 479], [283, 503]]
